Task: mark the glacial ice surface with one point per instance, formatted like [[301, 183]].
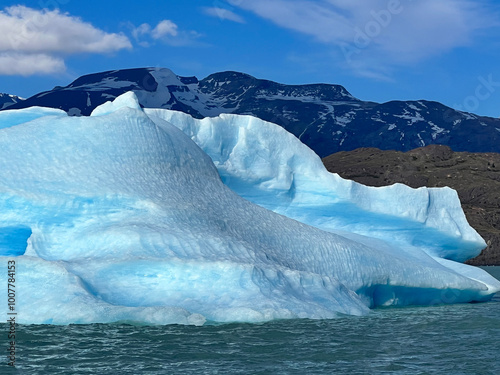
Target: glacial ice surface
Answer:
[[285, 176], [124, 216]]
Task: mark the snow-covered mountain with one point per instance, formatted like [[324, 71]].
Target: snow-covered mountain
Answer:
[[325, 117], [7, 100], [153, 216]]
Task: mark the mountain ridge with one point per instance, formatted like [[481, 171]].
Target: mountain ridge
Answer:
[[7, 100], [326, 117]]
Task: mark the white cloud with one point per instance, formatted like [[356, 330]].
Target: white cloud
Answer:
[[164, 28], [165, 31], [223, 14], [30, 30], [28, 34], [30, 64], [141, 30], [380, 32]]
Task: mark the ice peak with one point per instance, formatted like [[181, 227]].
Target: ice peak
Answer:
[[129, 99]]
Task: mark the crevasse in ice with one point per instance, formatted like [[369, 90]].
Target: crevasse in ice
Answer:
[[121, 216]]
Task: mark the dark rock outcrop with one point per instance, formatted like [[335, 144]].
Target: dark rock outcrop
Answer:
[[475, 176]]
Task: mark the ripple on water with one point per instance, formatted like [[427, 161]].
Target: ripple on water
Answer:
[[451, 339]]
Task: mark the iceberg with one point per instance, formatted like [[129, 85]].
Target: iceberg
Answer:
[[151, 216]]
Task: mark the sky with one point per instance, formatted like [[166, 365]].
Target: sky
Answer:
[[379, 50]]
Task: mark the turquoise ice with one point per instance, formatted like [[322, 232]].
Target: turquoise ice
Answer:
[[158, 218]]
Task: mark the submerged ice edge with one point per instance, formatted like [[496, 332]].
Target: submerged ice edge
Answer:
[[126, 219]]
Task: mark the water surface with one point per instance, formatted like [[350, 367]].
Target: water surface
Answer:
[[452, 339]]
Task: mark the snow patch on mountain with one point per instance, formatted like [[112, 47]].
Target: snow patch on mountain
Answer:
[[7, 100], [412, 117]]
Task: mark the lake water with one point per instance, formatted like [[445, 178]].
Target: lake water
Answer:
[[452, 339]]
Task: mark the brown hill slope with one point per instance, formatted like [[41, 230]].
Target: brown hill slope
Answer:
[[475, 176]]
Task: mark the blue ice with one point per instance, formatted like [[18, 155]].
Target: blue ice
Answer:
[[124, 216]]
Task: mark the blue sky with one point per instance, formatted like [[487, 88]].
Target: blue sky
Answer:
[[380, 50]]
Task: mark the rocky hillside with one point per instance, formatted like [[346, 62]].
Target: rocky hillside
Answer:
[[475, 176], [326, 117]]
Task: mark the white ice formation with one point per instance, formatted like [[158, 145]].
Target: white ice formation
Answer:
[[121, 216]]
